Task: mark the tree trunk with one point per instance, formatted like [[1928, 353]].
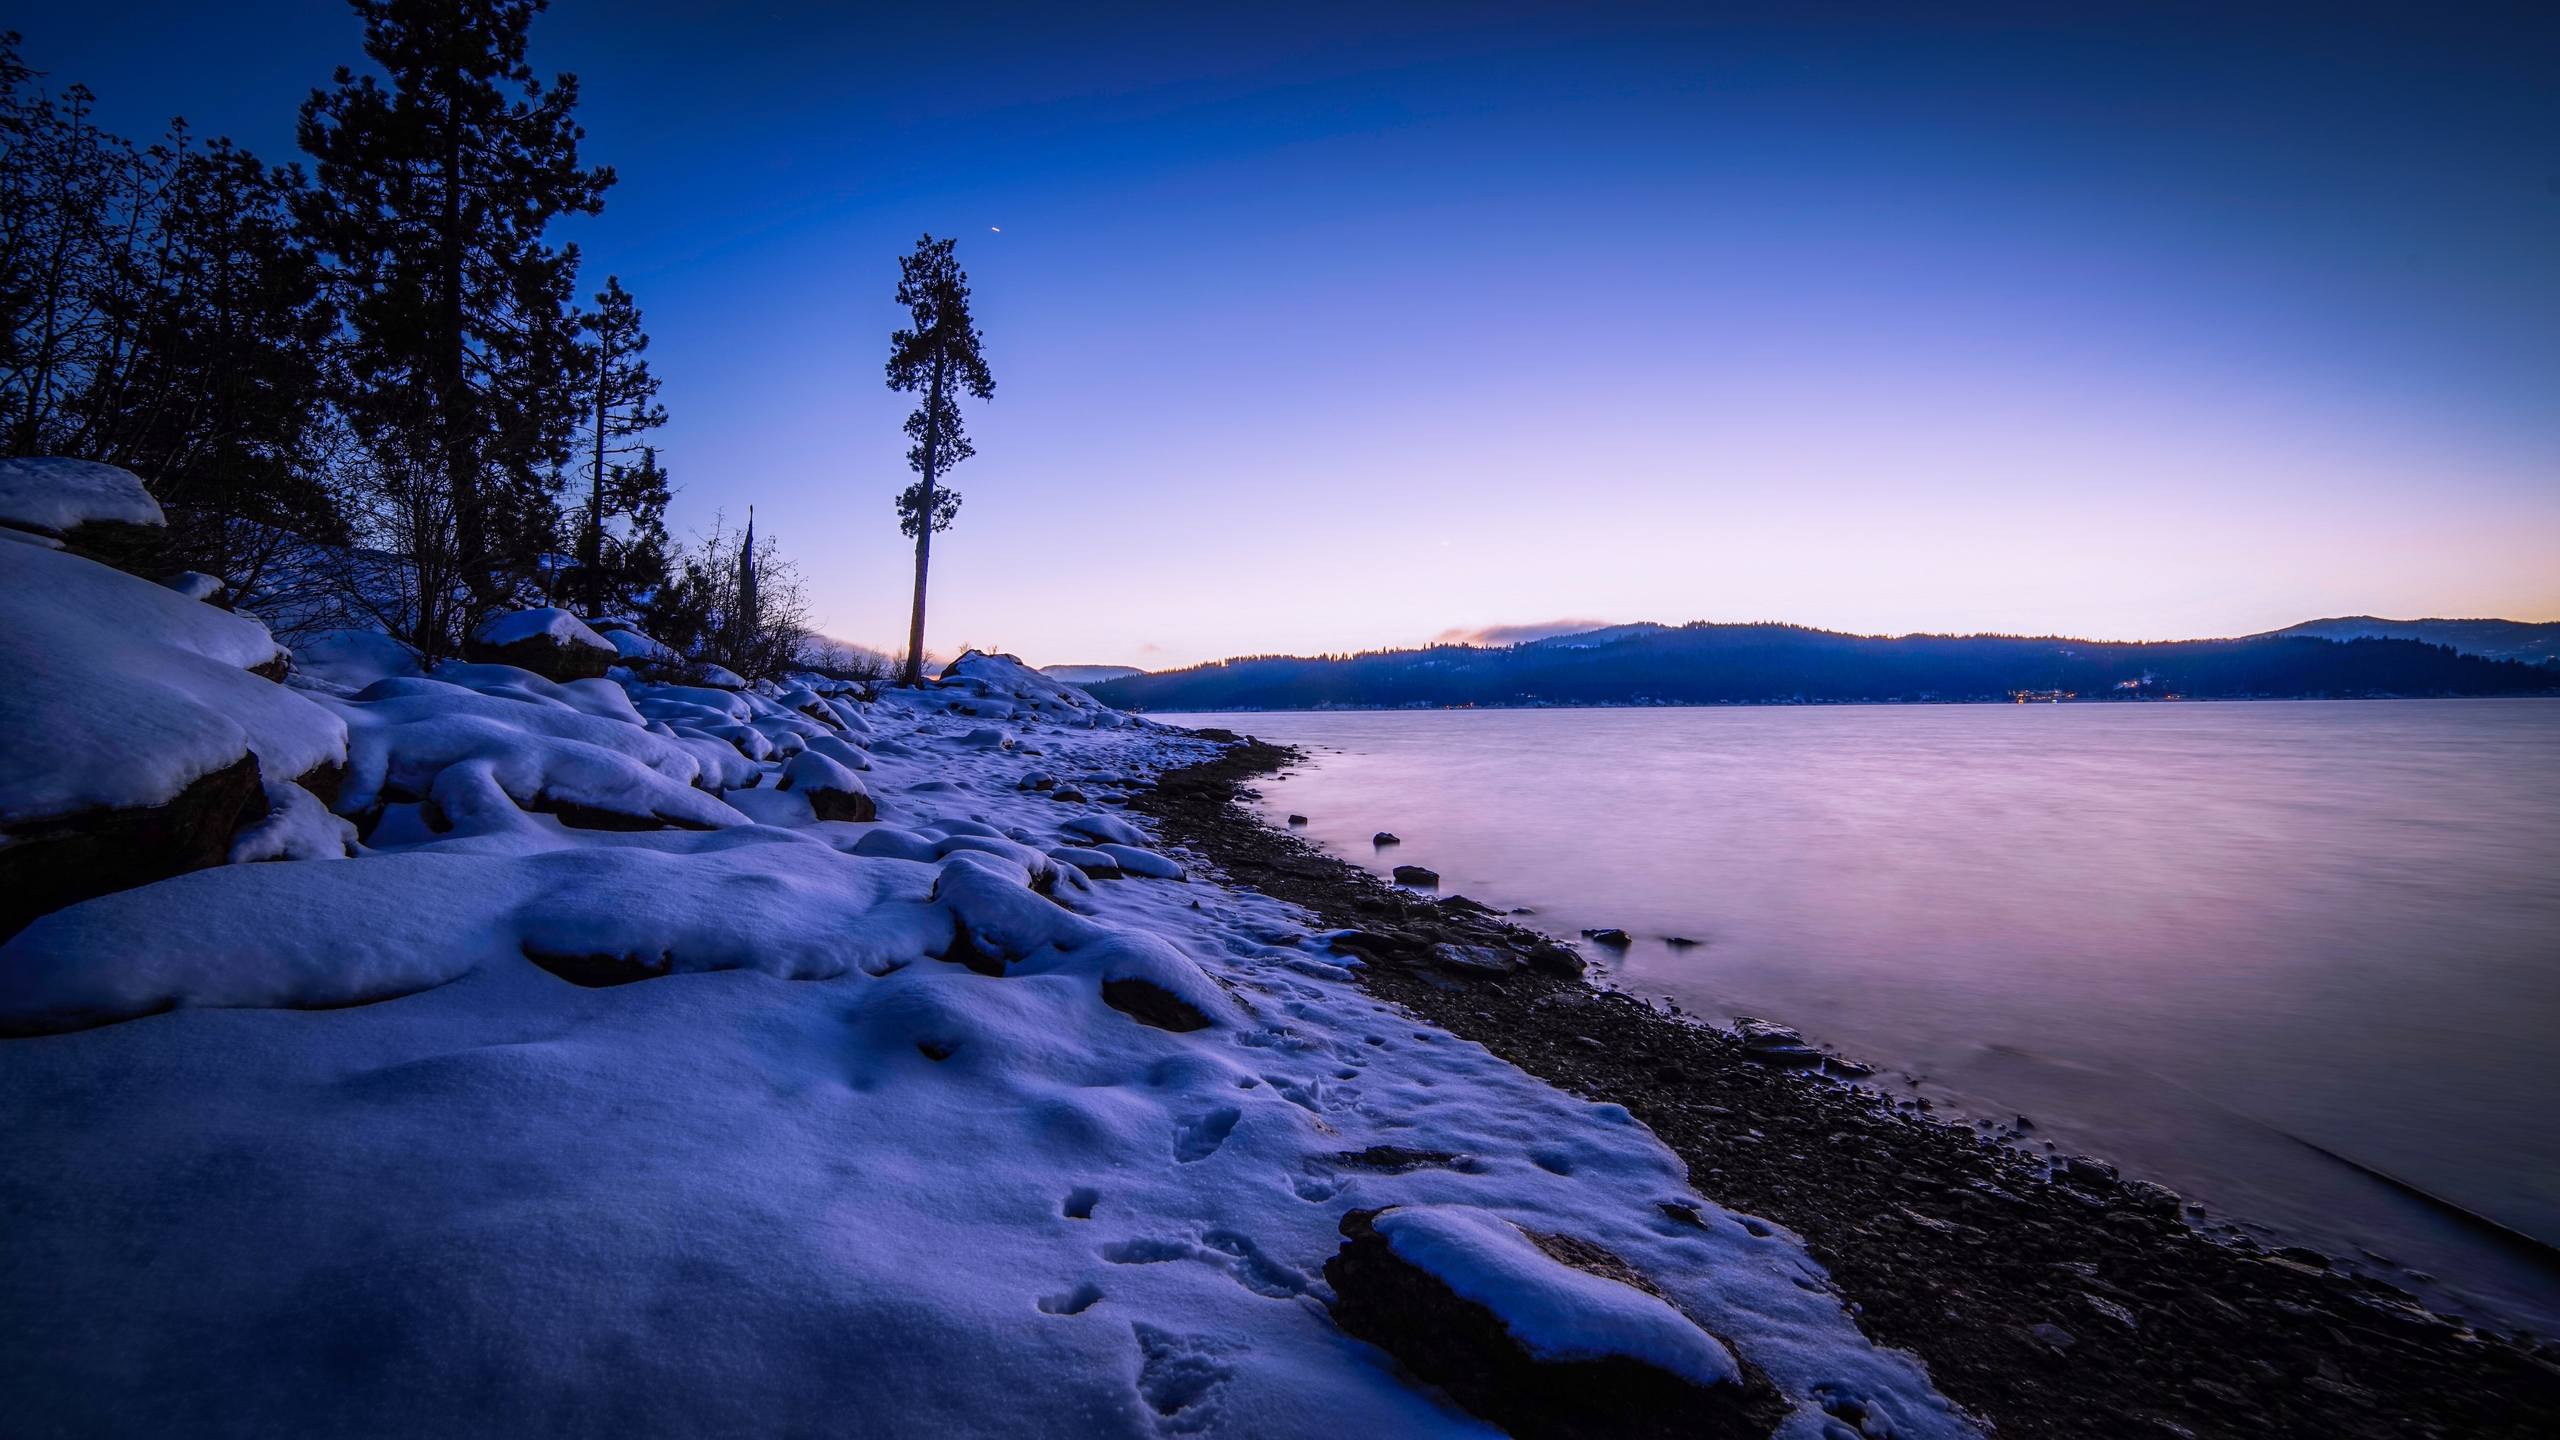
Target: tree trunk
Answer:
[[593, 560], [460, 478], [924, 523]]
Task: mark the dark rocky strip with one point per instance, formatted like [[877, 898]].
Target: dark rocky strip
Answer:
[[2046, 1302]]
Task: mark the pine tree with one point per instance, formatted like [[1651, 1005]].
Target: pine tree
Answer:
[[626, 408], [219, 399], [434, 191], [939, 357]]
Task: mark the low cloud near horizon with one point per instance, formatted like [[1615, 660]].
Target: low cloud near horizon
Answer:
[[1516, 634]]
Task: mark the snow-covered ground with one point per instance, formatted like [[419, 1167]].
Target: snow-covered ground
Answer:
[[890, 1126]]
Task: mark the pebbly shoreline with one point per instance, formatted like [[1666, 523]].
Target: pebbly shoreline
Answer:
[[2045, 1301]]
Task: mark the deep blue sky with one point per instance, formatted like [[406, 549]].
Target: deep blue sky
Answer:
[[1317, 330]]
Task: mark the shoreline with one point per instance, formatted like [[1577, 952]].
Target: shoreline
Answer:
[[2037, 1298]]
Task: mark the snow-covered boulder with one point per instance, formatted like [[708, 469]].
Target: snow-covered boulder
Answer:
[[53, 496], [1104, 828], [550, 642], [833, 792], [1136, 860], [1542, 1334], [134, 737], [719, 677], [640, 652], [1016, 687]]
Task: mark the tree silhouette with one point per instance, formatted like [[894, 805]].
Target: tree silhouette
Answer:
[[626, 408], [939, 357], [434, 192]]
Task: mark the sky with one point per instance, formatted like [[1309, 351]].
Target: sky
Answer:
[[1329, 328]]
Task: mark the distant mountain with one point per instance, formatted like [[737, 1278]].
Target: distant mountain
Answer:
[[1703, 664], [2526, 640], [1089, 674]]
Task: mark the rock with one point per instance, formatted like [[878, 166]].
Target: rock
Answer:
[[1097, 829], [2053, 1335], [1474, 959], [832, 791], [53, 496], [1067, 794], [552, 643], [1421, 875], [1681, 942], [1149, 1003], [1094, 864], [53, 863], [2151, 1198], [1223, 737], [1611, 936], [1297, 819], [1136, 861], [1473, 1356], [2085, 1170], [1385, 837], [1773, 1044]]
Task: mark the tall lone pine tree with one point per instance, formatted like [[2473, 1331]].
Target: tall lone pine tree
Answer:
[[939, 357], [433, 194]]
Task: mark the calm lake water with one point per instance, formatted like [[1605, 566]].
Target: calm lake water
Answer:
[[2263, 953]]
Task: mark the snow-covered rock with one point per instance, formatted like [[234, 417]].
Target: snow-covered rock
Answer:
[[639, 651], [54, 496], [831, 790], [1542, 1334], [116, 692], [550, 642], [134, 735]]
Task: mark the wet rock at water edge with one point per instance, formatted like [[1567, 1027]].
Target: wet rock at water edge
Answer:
[[2086, 1170], [1384, 838], [1773, 1044], [2152, 1198], [1609, 935], [1474, 959], [1420, 875], [1297, 819], [1681, 942]]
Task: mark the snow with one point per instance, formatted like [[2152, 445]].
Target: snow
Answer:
[[55, 495], [297, 827], [638, 649], [1554, 1310], [195, 584], [119, 693], [549, 623], [884, 1132], [346, 661]]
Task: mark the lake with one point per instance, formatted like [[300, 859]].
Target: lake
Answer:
[[2299, 961]]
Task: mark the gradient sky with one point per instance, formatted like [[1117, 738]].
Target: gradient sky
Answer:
[[1327, 329]]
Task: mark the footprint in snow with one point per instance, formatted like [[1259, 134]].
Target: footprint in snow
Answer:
[[1180, 1378], [1072, 1302], [1200, 1136]]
